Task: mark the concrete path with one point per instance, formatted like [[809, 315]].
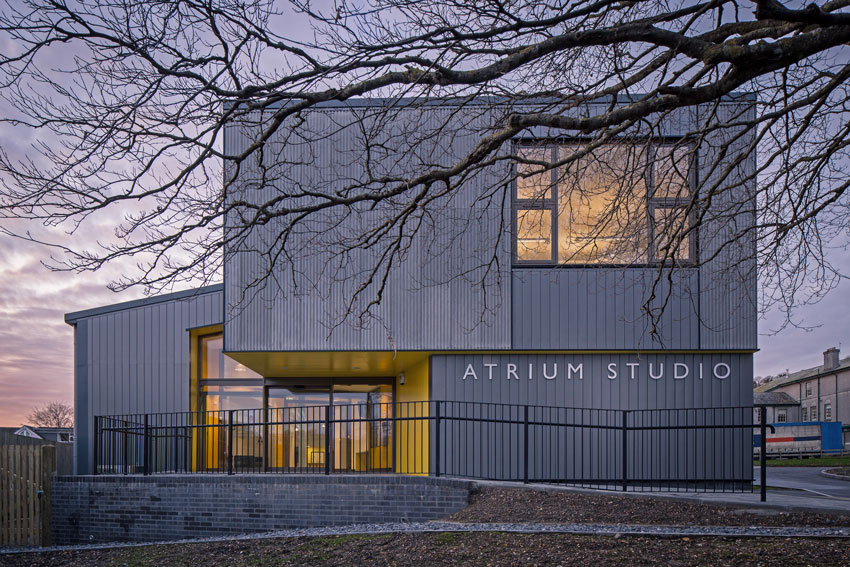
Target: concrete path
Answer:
[[781, 499], [808, 479], [786, 500]]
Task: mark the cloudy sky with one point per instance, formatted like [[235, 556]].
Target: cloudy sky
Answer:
[[36, 356]]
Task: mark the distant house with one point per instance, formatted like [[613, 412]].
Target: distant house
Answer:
[[823, 392], [773, 404], [56, 434]]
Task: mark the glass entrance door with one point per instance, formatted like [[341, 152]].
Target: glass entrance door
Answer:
[[296, 428], [362, 428]]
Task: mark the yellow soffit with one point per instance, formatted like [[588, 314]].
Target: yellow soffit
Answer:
[[328, 364], [334, 364]]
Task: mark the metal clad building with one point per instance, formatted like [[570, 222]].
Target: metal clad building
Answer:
[[473, 310], [134, 357]]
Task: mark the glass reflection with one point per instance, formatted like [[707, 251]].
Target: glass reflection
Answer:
[[217, 365], [602, 207]]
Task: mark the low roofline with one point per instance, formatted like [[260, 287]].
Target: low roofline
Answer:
[[72, 318], [771, 386]]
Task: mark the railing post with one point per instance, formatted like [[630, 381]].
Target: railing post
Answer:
[[525, 448], [763, 450], [187, 442], [265, 415], [625, 456], [437, 438], [96, 442], [328, 433], [230, 442], [145, 448], [125, 456], [173, 429]]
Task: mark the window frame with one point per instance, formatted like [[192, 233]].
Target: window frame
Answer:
[[552, 147], [804, 413], [827, 412], [781, 416], [539, 204]]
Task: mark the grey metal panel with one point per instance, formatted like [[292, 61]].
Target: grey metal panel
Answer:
[[433, 299], [82, 417], [595, 389], [728, 279], [601, 309], [710, 453], [136, 360]]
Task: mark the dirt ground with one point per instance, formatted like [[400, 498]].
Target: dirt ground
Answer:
[[453, 549], [521, 505]]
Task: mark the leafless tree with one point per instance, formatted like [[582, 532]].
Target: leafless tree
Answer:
[[128, 104], [54, 414]]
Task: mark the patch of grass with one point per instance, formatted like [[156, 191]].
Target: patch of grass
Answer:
[[341, 539], [321, 548], [808, 462], [448, 538], [134, 557], [147, 556]]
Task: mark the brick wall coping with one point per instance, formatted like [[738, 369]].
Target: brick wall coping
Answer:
[[366, 479]]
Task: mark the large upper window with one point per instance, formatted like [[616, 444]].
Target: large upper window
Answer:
[[620, 204]]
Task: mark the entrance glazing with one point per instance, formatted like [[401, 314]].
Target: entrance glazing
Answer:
[[297, 431]]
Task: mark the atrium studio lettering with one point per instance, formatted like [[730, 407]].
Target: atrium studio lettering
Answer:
[[613, 371]]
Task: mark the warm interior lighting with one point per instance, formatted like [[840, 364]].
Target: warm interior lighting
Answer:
[[601, 204], [534, 234]]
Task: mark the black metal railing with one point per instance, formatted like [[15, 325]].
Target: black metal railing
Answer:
[[705, 449]]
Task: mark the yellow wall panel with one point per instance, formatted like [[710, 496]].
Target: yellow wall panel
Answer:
[[412, 399]]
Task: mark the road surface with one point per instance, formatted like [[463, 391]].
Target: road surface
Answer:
[[806, 478]]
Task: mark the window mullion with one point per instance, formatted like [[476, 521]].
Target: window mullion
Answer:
[[554, 204]]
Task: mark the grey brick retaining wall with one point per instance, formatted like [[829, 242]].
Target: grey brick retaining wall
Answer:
[[90, 509]]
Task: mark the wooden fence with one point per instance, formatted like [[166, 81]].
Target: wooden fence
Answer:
[[26, 470]]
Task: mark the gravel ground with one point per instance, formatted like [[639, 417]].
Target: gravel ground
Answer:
[[490, 549], [523, 505]]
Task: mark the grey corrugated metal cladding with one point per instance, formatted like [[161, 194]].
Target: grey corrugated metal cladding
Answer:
[[453, 286], [133, 358]]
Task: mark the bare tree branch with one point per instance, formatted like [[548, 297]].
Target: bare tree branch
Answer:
[[129, 104]]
